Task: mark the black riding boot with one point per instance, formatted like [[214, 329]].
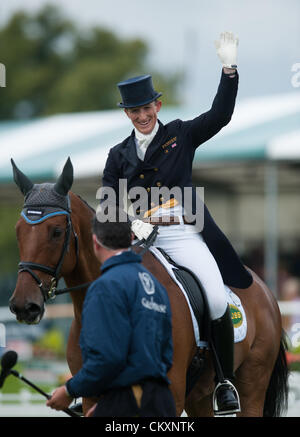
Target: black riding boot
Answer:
[[226, 399]]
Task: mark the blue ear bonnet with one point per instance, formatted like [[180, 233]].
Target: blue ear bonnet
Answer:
[[43, 202]]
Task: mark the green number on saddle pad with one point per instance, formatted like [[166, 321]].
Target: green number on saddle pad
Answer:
[[236, 316]]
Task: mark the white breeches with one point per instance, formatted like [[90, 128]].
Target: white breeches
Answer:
[[187, 248]]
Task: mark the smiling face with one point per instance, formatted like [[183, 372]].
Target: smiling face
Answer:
[[144, 117]]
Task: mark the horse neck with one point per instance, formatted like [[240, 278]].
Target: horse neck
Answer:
[[87, 268]]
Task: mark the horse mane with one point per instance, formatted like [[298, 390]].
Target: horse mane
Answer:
[[85, 202]]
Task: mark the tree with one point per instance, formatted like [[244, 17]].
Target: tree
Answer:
[[52, 66]]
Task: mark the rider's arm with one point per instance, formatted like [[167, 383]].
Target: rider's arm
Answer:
[[205, 126], [208, 124], [111, 178], [111, 175], [230, 71], [111, 194]]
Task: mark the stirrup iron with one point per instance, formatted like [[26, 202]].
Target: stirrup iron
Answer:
[[217, 412]]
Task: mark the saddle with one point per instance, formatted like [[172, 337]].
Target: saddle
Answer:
[[199, 304], [199, 308]]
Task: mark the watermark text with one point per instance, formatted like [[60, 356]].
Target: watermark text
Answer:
[[295, 337], [2, 335], [295, 80], [2, 76], [145, 202]]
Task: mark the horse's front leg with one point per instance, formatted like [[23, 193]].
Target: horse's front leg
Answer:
[[74, 359]]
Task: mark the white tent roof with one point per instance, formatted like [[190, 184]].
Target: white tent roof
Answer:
[[265, 127], [286, 146], [261, 128]]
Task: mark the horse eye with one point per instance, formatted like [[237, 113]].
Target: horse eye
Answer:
[[57, 232]]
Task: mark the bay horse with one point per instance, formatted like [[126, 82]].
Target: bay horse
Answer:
[[54, 245]]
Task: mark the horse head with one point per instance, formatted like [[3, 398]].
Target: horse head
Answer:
[[43, 231]]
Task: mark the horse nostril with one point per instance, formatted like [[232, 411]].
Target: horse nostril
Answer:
[[12, 307], [31, 312], [32, 308]]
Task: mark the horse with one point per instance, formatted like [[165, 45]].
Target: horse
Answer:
[[54, 245]]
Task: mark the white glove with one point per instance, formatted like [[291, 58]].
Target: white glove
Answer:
[[227, 49], [141, 229]]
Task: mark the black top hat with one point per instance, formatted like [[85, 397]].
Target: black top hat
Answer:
[[137, 91]]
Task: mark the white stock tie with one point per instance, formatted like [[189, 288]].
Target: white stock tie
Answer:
[[142, 141]]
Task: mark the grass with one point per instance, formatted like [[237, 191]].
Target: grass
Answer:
[[15, 385]]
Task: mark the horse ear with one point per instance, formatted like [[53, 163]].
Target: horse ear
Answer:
[[65, 180], [23, 182]]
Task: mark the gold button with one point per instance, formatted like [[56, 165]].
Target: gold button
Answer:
[[156, 169], [158, 184], [142, 176], [166, 151], [148, 189]]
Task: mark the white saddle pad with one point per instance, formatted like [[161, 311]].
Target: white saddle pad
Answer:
[[237, 311]]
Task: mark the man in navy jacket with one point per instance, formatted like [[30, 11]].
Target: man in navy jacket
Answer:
[[126, 336]]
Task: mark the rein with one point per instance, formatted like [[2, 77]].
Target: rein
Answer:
[[147, 243]]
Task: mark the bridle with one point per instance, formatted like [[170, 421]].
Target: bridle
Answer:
[[54, 272]]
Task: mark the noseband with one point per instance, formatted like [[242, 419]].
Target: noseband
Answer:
[[54, 272]]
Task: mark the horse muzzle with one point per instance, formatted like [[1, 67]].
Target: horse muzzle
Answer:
[[30, 313]]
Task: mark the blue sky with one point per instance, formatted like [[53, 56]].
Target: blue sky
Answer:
[[181, 36]]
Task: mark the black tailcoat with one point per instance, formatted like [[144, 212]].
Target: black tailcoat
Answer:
[[168, 163]]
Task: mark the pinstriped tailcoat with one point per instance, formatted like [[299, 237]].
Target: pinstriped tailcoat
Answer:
[[168, 162]]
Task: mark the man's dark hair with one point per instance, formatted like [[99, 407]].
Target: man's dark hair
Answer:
[[114, 234]]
